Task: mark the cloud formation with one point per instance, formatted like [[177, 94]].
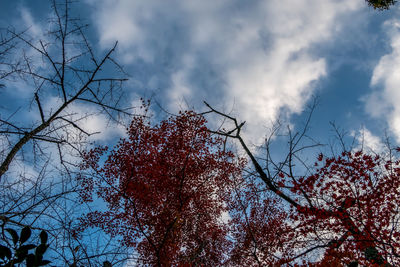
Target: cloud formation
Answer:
[[383, 101], [257, 56], [368, 142]]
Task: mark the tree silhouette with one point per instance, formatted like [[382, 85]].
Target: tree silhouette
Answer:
[[381, 4], [60, 71]]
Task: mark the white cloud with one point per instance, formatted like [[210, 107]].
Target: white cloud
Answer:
[[369, 142], [262, 51], [383, 101], [88, 117], [34, 28], [95, 123], [180, 84]]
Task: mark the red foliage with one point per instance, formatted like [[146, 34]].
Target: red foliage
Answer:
[[165, 187], [351, 205], [169, 189], [262, 238]]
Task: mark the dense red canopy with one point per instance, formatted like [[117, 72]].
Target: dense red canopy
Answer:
[[165, 187], [178, 197]]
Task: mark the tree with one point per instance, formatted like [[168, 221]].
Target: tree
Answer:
[[381, 4], [7, 44], [62, 72], [74, 75], [352, 198], [346, 207], [166, 188], [172, 191], [259, 227]]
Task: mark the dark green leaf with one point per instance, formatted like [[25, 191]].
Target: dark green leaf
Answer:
[[5, 252], [107, 264], [45, 262], [41, 249], [23, 250], [21, 254], [14, 235], [43, 237], [20, 259], [38, 258], [30, 260], [25, 234], [27, 247]]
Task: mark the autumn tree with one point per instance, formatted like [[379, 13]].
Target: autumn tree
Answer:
[[174, 193], [344, 207], [352, 200], [259, 224], [171, 191], [165, 188]]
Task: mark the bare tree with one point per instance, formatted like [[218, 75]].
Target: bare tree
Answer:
[[63, 72], [72, 73], [7, 44]]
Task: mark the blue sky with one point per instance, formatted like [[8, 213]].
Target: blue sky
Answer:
[[260, 60]]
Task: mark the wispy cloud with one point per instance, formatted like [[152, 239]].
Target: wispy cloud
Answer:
[[34, 28], [384, 100], [368, 142], [89, 118], [258, 55]]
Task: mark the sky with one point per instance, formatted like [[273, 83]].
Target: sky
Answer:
[[259, 60]]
